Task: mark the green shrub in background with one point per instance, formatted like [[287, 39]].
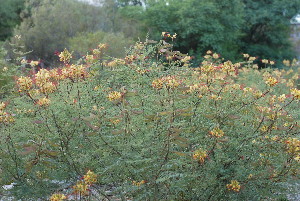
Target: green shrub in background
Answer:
[[84, 42], [7, 73], [152, 128]]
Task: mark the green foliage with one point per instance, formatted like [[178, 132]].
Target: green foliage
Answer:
[[51, 23], [7, 73], [260, 28], [84, 42], [154, 129], [9, 15], [202, 24], [267, 30]]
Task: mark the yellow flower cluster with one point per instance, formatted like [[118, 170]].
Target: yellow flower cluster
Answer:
[[200, 155], [114, 95], [216, 132], [4, 116], [293, 147], [158, 83], [167, 34], [34, 63], [89, 58], [234, 186], [296, 93], [82, 187], [116, 62], [65, 56], [90, 177], [170, 82], [135, 183], [74, 72], [286, 62], [42, 77], [24, 83], [2, 106], [115, 121], [271, 81], [58, 197], [43, 102], [282, 98], [246, 55], [47, 88]]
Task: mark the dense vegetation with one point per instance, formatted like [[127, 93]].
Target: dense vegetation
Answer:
[[149, 127], [86, 113]]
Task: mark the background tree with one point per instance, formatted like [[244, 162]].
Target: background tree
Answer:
[[201, 25], [9, 16], [267, 31]]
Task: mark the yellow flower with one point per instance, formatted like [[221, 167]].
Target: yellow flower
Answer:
[[234, 186], [116, 121], [25, 83], [42, 77], [216, 132], [215, 56], [114, 95], [6, 117], [34, 63], [96, 51], [271, 81], [90, 177], [296, 93], [2, 106], [65, 56], [290, 83], [102, 46], [186, 59], [286, 62], [171, 82], [200, 155], [135, 183], [264, 128], [293, 146], [58, 197], [252, 58], [89, 58], [81, 188], [282, 98], [265, 61], [47, 88], [246, 55], [43, 102], [209, 52]]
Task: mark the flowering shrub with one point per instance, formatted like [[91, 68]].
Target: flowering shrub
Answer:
[[154, 128]]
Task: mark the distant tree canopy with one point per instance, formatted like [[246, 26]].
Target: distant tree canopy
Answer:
[[258, 27], [267, 27], [229, 27], [9, 16]]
